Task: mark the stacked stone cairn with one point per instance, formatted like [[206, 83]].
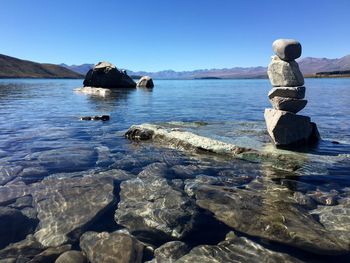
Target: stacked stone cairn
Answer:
[[284, 126]]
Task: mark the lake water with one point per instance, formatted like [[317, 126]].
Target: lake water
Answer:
[[42, 136]]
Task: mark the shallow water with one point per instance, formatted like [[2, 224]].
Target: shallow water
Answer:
[[42, 136]]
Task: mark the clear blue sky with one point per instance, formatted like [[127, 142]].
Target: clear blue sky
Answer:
[[171, 34]]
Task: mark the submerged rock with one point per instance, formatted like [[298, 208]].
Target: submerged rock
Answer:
[[188, 141], [9, 173], [50, 254], [66, 206], [235, 249], [287, 128], [154, 211], [269, 214], [71, 256], [27, 248], [288, 104], [145, 82], [106, 75], [15, 226], [170, 252], [287, 49], [111, 247], [284, 74]]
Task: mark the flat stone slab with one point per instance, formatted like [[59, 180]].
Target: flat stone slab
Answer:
[[94, 91], [287, 128], [235, 249], [111, 247], [284, 74], [288, 104], [287, 92], [287, 49], [269, 214], [66, 206]]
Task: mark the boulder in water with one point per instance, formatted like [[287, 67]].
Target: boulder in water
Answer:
[[145, 82], [106, 75]]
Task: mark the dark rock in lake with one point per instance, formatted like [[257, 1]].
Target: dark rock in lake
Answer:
[[50, 254], [106, 75], [145, 82], [111, 247], [95, 118], [154, 211], [71, 256], [235, 249], [14, 226], [65, 207], [27, 248], [269, 214]]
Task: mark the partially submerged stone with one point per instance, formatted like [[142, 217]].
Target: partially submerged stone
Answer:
[[71, 256], [287, 92], [153, 210], [235, 249], [15, 226], [106, 75], [287, 128], [94, 91], [66, 206], [111, 247], [269, 213], [145, 82], [288, 104], [287, 49], [284, 74], [171, 251]]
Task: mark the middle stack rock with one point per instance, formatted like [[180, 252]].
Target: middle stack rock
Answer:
[[284, 126]]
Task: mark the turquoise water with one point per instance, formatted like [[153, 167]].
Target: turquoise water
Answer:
[[40, 128]]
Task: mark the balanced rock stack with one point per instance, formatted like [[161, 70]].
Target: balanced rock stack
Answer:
[[284, 126]]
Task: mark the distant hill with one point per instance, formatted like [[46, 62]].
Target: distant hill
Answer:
[[11, 67], [81, 69], [309, 67]]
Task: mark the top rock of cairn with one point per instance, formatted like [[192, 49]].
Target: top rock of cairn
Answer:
[[287, 49]]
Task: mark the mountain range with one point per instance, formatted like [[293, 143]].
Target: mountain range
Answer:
[[309, 66], [11, 67]]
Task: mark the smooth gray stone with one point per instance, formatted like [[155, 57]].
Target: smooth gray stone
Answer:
[[287, 49], [235, 249], [111, 247], [66, 206], [287, 92], [287, 129], [106, 75], [269, 214], [171, 251], [288, 104], [284, 74], [145, 82], [71, 256], [153, 210]]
